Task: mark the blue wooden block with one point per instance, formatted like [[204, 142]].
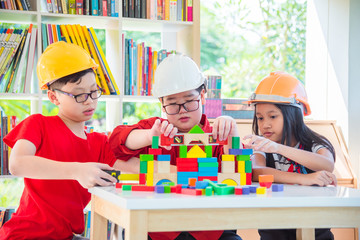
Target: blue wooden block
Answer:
[[163, 157], [213, 159], [245, 190], [208, 169], [201, 184], [253, 188], [247, 151], [159, 189], [277, 187], [235, 151]]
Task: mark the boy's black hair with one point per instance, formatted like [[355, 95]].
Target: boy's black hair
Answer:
[[72, 78], [199, 89], [294, 125]]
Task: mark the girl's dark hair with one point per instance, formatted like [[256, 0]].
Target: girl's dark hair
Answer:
[[294, 126], [72, 78]]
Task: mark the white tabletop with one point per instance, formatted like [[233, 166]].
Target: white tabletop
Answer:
[[292, 196]]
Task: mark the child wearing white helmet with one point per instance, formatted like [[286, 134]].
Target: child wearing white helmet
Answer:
[[181, 88], [57, 159], [284, 146]]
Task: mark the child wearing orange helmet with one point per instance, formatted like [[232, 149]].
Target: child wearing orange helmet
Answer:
[[284, 146], [181, 88], [57, 159]]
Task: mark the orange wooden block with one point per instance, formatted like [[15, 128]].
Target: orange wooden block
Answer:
[[266, 178], [192, 182]]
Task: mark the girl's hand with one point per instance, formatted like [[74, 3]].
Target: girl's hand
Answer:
[[262, 144], [320, 178], [224, 127], [91, 174], [165, 128]]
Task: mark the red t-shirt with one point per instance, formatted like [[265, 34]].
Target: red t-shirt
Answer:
[[53, 209], [117, 144]]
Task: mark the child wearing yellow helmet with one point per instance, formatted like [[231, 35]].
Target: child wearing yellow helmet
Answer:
[[181, 88], [57, 159], [284, 146]]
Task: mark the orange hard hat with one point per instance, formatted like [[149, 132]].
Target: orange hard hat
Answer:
[[281, 88]]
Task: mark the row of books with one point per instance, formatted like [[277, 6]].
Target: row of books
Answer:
[[23, 5], [17, 55], [5, 214], [87, 39], [108, 8], [6, 124], [214, 86], [112, 232], [172, 10], [140, 63]]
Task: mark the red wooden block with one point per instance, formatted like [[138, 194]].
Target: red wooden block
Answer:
[[165, 141], [248, 178], [142, 188], [178, 188], [187, 168], [265, 184], [238, 191], [119, 185], [185, 160], [212, 178], [155, 151], [188, 191], [173, 189], [142, 178]]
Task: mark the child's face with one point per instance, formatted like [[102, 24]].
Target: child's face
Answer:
[[184, 120], [270, 121], [69, 108]]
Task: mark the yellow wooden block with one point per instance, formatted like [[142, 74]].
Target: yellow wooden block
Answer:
[[128, 177], [228, 166], [196, 152], [150, 179], [150, 167], [228, 157], [241, 166], [261, 190], [242, 178]]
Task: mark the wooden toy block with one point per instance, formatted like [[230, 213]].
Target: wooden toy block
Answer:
[[142, 178], [248, 178], [142, 188], [235, 177], [248, 166], [187, 168], [245, 190], [150, 167], [167, 189], [196, 129], [159, 189], [243, 157], [207, 160], [163, 167], [115, 173], [183, 151], [191, 139], [208, 151], [119, 185], [277, 187], [172, 177], [235, 142], [155, 142], [155, 151], [247, 151], [242, 179], [196, 152], [241, 166], [192, 182], [209, 169], [167, 183], [146, 157], [150, 179], [265, 184], [235, 151], [129, 177], [209, 164], [228, 166], [201, 139], [253, 188], [213, 179], [173, 189], [126, 187], [227, 157], [211, 174], [143, 166], [195, 192], [208, 191], [228, 190], [164, 157], [178, 188], [186, 160], [238, 191], [261, 190], [201, 184], [266, 178]]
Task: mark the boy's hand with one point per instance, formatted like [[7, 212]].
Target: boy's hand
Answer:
[[91, 174], [165, 128], [262, 144], [320, 178], [224, 127]]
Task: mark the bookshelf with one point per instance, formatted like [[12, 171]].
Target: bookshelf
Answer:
[[183, 37]]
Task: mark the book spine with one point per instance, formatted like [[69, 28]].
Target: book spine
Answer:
[[94, 7], [125, 9], [72, 6], [117, 6], [79, 7], [109, 9], [100, 7], [64, 8]]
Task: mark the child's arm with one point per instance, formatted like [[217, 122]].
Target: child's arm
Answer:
[[321, 178], [225, 127], [321, 160], [140, 138], [24, 163]]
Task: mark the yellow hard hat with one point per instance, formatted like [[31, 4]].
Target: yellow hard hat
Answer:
[[61, 59]]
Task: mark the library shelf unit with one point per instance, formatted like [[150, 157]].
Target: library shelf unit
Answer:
[[181, 36]]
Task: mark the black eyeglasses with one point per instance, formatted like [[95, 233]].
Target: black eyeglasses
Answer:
[[189, 106], [80, 98]]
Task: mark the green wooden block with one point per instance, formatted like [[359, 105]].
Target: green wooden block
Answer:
[[146, 157], [196, 129], [155, 142], [208, 164], [143, 167], [226, 190], [248, 167], [208, 191], [167, 189], [183, 151], [243, 157], [235, 143], [208, 151], [126, 187]]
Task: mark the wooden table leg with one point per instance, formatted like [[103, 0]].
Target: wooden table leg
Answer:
[[137, 225], [305, 234], [98, 229]]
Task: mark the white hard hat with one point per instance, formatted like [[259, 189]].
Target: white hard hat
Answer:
[[176, 74]]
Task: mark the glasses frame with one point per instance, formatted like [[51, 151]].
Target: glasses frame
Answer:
[[78, 95], [183, 105]]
